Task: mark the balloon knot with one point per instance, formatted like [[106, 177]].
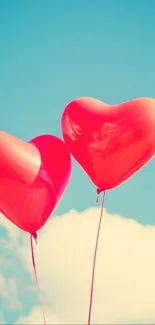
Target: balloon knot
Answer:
[[99, 191], [34, 235]]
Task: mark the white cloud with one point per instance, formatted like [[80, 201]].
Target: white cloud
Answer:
[[125, 270], [9, 293], [1, 319], [14, 231]]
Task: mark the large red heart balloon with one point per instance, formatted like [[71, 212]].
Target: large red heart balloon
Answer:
[[33, 178], [110, 142]]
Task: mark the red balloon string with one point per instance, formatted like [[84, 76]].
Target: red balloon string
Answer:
[[94, 260], [35, 273]]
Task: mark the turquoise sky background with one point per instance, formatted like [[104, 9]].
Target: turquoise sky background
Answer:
[[53, 51]]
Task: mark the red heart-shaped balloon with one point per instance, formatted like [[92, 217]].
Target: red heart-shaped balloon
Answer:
[[33, 178], [110, 142]]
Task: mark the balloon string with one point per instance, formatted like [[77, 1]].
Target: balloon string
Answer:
[[35, 274], [94, 261]]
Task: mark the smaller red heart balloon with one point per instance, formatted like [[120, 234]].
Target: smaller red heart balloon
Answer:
[[33, 178], [110, 142]]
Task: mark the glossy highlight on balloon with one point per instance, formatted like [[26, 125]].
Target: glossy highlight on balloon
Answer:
[[110, 142], [33, 178]]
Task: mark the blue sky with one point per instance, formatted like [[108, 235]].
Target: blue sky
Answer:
[[53, 51]]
